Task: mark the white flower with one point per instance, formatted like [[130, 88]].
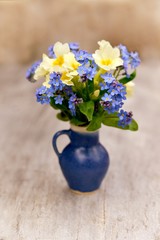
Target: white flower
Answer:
[[107, 57]]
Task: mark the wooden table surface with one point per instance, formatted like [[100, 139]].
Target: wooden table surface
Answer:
[[35, 203]]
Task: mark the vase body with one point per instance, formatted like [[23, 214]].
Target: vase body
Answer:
[[84, 161]]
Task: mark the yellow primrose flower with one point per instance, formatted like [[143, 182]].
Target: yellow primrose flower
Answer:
[[102, 44], [44, 68], [49, 65], [130, 88], [60, 49], [70, 62], [71, 65], [107, 57], [46, 82], [66, 79], [64, 63]]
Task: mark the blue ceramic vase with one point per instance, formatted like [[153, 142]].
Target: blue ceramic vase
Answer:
[[84, 161]]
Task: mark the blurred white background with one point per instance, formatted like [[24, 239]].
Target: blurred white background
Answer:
[[28, 27]]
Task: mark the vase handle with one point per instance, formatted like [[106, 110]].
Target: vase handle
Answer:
[[54, 140]]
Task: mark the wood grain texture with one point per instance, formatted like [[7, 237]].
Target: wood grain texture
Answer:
[[35, 203]]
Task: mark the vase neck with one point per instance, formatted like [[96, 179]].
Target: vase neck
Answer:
[[84, 138]]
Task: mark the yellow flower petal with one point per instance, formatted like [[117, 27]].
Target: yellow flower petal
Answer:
[[47, 62], [103, 44], [44, 68], [70, 62], [61, 49], [46, 83], [107, 57], [66, 79], [40, 72]]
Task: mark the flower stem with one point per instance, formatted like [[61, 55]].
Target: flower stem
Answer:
[[117, 72], [87, 90], [96, 78]]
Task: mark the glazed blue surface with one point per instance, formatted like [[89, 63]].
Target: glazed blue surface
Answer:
[[84, 161]]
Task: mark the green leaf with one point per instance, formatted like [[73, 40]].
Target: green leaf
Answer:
[[112, 121], [91, 86], [62, 116], [133, 126], [126, 80], [52, 103], [77, 122], [87, 108], [94, 124]]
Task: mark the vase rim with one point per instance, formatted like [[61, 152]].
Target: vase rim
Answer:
[[81, 129]]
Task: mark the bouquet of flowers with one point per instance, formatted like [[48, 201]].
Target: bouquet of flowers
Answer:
[[88, 89]]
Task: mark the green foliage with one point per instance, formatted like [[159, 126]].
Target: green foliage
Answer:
[[77, 122], [52, 103], [90, 113], [95, 124], [126, 80], [87, 108], [62, 116], [133, 126], [112, 121]]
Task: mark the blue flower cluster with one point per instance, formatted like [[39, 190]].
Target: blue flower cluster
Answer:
[[82, 56], [87, 71], [55, 82], [56, 90], [43, 95], [129, 58], [86, 87], [73, 101], [125, 118], [31, 71], [58, 99], [135, 60], [112, 100], [74, 47], [51, 53]]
